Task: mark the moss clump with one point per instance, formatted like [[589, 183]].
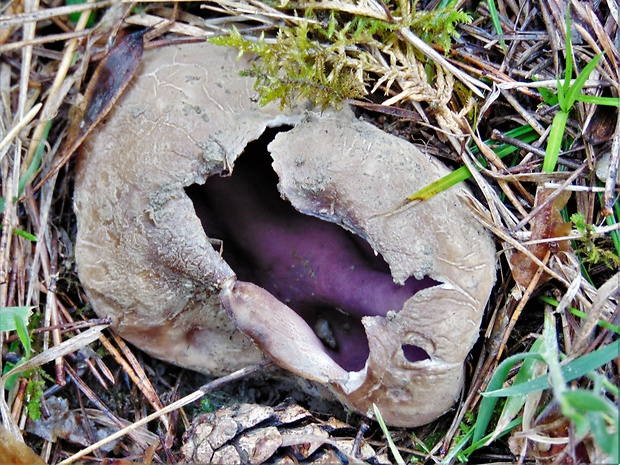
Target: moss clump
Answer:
[[335, 47]]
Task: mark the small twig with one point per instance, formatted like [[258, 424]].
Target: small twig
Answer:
[[175, 405], [43, 40], [473, 84], [521, 305], [527, 116], [605, 292], [549, 199], [103, 408]]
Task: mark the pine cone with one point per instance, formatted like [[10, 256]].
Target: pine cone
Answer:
[[256, 434]]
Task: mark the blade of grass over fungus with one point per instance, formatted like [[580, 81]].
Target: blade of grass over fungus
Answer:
[[525, 133], [388, 436]]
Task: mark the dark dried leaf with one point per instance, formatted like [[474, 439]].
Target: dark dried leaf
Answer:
[[548, 223], [109, 81]]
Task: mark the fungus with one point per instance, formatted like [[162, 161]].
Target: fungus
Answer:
[[215, 233]]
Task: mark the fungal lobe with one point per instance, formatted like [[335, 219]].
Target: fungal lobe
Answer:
[[280, 332], [215, 233]]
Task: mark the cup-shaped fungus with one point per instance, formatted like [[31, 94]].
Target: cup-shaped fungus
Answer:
[[215, 233]]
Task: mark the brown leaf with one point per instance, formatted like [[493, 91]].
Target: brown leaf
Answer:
[[548, 223], [109, 81], [602, 124]]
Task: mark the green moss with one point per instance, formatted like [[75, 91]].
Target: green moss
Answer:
[[34, 392], [336, 48], [590, 253]]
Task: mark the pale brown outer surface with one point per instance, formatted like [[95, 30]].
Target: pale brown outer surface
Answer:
[[358, 179], [141, 252], [144, 259]]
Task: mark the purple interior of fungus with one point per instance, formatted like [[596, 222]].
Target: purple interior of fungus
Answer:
[[330, 277]]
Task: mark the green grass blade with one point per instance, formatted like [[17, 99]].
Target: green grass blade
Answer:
[[555, 141], [551, 354], [571, 371], [561, 93], [25, 235], [607, 440], [488, 403], [568, 72], [8, 316], [455, 450], [549, 97], [22, 233], [478, 444], [525, 133], [36, 161], [588, 401], [434, 188], [21, 327], [575, 369], [595, 100], [34, 165], [497, 24], [388, 436], [580, 80], [16, 319], [611, 221], [514, 404], [582, 315]]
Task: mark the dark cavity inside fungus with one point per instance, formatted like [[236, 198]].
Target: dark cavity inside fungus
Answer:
[[330, 277]]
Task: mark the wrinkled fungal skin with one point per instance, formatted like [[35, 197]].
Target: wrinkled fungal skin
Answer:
[[145, 260]]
